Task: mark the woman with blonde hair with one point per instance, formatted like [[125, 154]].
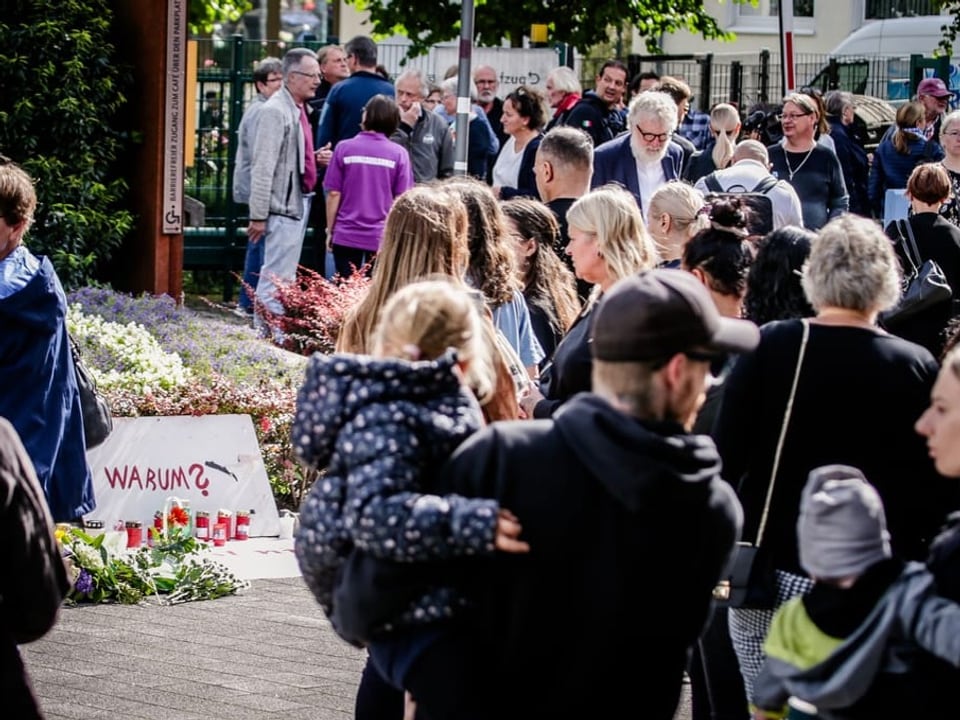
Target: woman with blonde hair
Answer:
[[675, 215], [425, 235], [899, 153], [548, 285], [380, 473], [608, 241], [724, 129]]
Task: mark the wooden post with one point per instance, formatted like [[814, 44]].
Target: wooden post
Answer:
[[151, 38]]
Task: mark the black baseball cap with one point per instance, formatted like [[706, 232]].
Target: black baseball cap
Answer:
[[659, 313]]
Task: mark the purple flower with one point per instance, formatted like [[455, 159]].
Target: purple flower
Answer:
[[84, 583]]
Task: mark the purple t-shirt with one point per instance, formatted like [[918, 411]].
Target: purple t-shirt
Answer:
[[369, 171]]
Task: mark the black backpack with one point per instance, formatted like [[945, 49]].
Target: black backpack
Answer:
[[760, 207]]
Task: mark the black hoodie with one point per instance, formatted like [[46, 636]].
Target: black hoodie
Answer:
[[629, 525]]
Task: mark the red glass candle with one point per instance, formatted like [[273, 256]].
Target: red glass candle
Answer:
[[243, 525], [134, 534], [219, 534], [202, 525], [226, 517]]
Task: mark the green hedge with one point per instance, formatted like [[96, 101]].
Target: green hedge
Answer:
[[61, 91]]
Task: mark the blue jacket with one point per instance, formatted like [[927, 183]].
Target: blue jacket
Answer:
[[614, 162], [343, 109], [381, 429], [40, 396], [890, 169]]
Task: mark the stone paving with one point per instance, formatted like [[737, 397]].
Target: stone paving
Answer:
[[265, 653]]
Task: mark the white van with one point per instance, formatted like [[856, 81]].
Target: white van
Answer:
[[875, 59]]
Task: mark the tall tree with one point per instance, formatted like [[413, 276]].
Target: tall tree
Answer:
[[582, 25], [60, 94], [951, 25], [204, 14]]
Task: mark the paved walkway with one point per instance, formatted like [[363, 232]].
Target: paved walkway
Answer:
[[266, 653]]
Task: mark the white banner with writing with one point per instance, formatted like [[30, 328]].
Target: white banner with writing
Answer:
[[212, 461]]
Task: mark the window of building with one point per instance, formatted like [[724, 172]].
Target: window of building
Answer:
[[882, 9], [765, 14]]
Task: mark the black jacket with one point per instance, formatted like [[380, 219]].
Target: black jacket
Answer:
[[939, 240], [629, 525], [856, 167], [34, 581], [596, 118]]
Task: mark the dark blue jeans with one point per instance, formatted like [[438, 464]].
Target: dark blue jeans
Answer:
[[348, 259], [252, 263]]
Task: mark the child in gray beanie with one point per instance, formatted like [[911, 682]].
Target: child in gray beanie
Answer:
[[865, 640]]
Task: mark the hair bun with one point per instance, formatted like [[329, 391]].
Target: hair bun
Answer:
[[729, 215]]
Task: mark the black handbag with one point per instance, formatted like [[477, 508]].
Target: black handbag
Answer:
[[924, 286], [97, 420], [751, 579]]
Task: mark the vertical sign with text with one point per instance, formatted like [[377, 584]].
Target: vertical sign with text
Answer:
[[173, 140]]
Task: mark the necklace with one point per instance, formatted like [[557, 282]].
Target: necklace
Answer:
[[793, 171]]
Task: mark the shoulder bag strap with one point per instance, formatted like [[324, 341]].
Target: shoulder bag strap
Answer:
[[783, 430], [910, 247]]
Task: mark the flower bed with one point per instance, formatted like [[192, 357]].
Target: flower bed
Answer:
[[151, 357]]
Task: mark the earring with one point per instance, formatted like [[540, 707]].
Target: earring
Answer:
[[599, 254]]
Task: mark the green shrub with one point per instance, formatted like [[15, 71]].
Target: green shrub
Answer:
[[60, 92]]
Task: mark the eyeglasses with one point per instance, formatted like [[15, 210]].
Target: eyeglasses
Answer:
[[274, 79], [650, 137], [485, 82], [315, 76], [793, 117]]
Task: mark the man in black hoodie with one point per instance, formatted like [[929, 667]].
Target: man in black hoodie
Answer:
[[598, 111], [628, 521]]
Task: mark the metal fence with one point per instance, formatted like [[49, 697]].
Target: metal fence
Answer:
[[746, 79], [225, 86]]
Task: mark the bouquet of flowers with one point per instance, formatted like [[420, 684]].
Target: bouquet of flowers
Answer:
[[174, 569]]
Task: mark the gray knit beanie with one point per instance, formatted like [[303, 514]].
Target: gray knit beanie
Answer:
[[842, 528]]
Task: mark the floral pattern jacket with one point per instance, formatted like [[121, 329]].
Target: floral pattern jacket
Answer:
[[381, 429]]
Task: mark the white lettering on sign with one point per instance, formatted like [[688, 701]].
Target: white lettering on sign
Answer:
[[173, 121], [212, 461]]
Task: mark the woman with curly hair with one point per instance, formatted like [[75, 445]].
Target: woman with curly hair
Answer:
[[608, 241], [548, 285], [491, 270], [719, 256], [774, 291], [524, 115]]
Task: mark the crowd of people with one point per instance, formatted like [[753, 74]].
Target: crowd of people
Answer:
[[633, 335], [580, 375]]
